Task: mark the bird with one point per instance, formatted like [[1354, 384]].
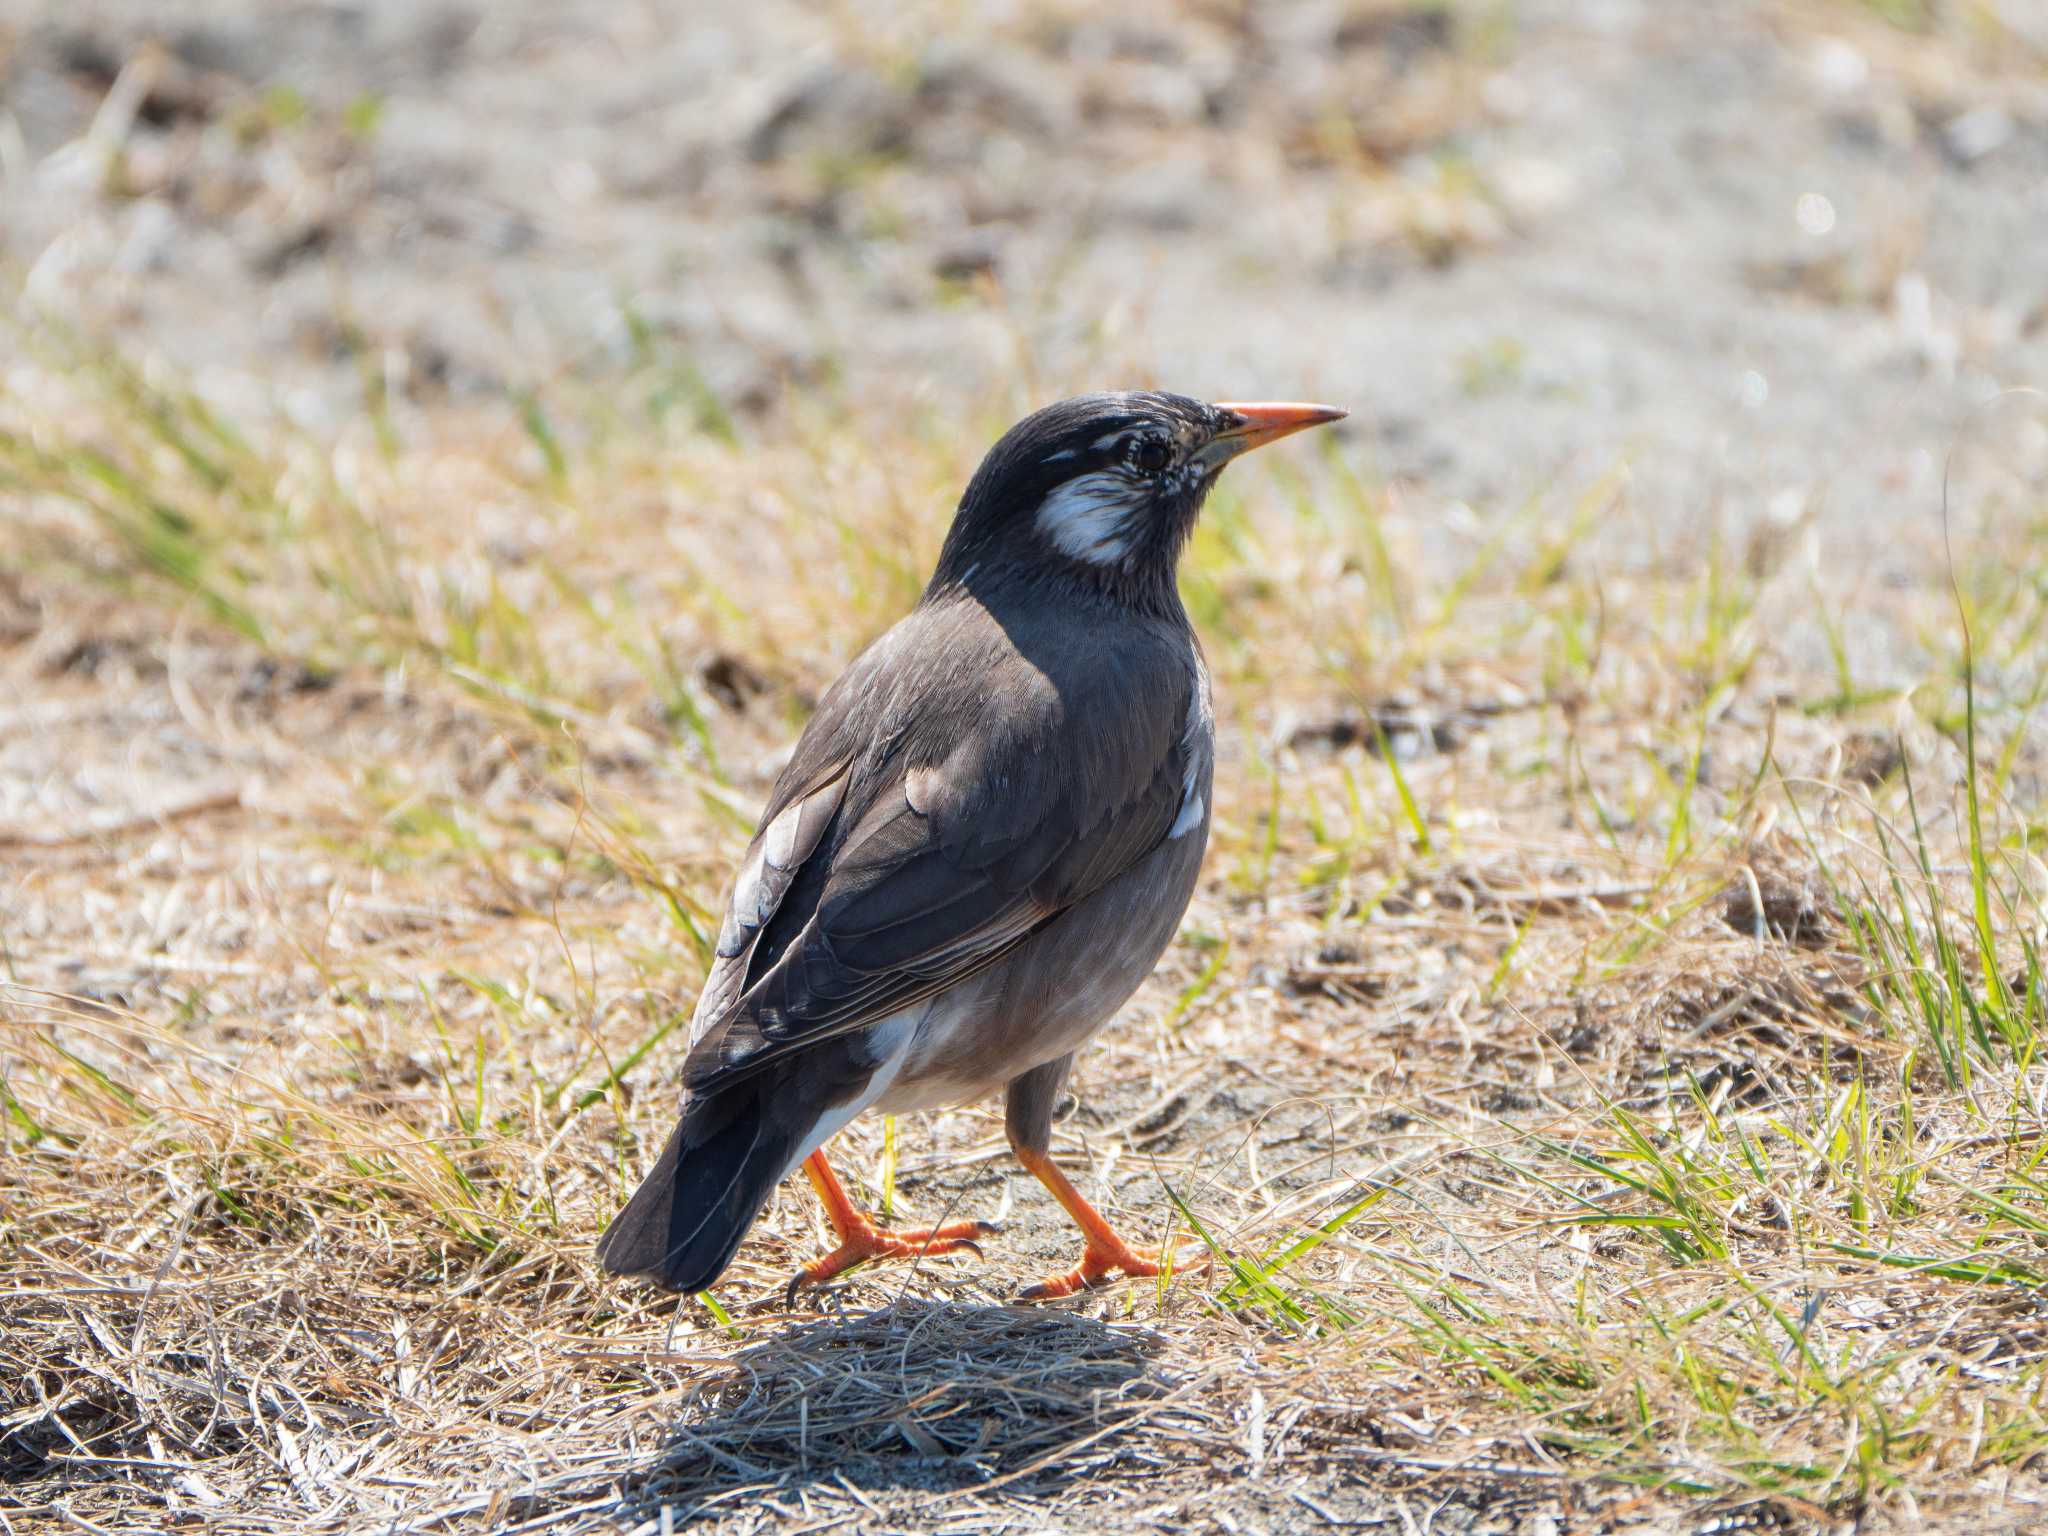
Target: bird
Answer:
[[985, 838]]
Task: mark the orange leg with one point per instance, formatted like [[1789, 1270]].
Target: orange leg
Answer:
[[1105, 1253], [861, 1240]]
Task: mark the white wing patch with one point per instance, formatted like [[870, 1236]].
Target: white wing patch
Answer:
[[1090, 516], [1192, 804], [780, 849]]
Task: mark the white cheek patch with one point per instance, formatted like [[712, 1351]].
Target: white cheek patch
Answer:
[[1091, 517]]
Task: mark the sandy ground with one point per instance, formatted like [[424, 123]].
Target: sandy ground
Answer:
[[1766, 253]]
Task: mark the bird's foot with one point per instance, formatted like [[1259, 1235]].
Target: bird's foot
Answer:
[[1100, 1260], [865, 1242]]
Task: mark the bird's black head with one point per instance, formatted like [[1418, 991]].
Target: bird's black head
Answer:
[[1104, 489]]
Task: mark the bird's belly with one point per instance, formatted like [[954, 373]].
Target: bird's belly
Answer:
[[1054, 990]]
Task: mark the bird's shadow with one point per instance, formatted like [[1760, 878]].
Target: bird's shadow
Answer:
[[917, 1395]]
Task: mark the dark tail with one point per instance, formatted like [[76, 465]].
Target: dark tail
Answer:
[[684, 1223]]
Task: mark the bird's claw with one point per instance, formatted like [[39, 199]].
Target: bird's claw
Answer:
[[1098, 1266], [869, 1242]]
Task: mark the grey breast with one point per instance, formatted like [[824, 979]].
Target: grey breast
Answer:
[[995, 774], [1052, 992]]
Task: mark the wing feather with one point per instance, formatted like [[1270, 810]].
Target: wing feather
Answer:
[[777, 855], [944, 815]]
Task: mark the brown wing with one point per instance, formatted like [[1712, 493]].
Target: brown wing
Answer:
[[999, 787]]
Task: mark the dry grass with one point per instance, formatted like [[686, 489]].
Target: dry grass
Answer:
[[1602, 1054]]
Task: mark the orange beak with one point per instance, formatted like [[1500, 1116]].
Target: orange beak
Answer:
[[1257, 424]]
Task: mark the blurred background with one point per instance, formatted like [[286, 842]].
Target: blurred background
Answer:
[[1769, 250]]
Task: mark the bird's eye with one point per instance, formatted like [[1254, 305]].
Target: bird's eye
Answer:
[[1148, 455]]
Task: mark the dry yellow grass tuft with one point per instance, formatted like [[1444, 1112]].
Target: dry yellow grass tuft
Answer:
[[1603, 1055]]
